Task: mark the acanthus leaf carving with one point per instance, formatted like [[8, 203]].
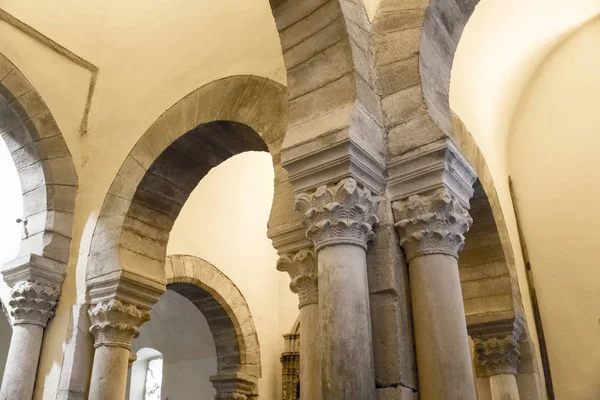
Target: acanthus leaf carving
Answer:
[[497, 354], [302, 268], [115, 323], [340, 214], [432, 224], [33, 302]]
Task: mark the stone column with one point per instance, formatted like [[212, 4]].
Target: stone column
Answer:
[[303, 271], [431, 229], [114, 325], [339, 222], [499, 356], [32, 304]]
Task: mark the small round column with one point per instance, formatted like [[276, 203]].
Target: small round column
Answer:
[[499, 358], [114, 325], [32, 305], [431, 229], [339, 221], [303, 270]]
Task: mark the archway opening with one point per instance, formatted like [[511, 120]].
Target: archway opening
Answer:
[[180, 336]]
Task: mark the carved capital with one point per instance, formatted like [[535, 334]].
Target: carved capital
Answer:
[[233, 386], [431, 224], [340, 214], [230, 396], [33, 302], [302, 268], [497, 354], [115, 323]]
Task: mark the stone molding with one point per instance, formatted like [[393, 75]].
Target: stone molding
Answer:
[[438, 165], [35, 284], [340, 214], [432, 224], [302, 268], [33, 302], [310, 167], [115, 323], [497, 354], [233, 386]]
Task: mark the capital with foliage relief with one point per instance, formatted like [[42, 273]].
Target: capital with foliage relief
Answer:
[[302, 268], [432, 224], [340, 214]]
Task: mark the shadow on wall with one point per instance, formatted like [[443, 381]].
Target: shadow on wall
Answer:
[[179, 333]]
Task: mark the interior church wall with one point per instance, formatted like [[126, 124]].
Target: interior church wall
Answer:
[[180, 332], [491, 72], [12, 208], [553, 156], [148, 60], [5, 336], [224, 222]]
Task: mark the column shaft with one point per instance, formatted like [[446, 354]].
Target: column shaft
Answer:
[[443, 359], [310, 359], [22, 362], [504, 387], [109, 373], [347, 355]]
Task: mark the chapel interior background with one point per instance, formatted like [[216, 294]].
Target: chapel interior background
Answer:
[[164, 156]]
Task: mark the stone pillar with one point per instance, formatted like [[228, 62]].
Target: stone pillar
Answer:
[[499, 357], [114, 325], [303, 271], [339, 222], [32, 304], [431, 229], [430, 189], [233, 386], [35, 284]]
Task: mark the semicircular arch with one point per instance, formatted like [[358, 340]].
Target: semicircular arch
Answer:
[[46, 171], [225, 309]]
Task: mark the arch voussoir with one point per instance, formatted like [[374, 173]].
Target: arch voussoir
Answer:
[[227, 314]]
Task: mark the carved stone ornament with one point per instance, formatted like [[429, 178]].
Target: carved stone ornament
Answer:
[[498, 355], [33, 302], [302, 268], [431, 224], [230, 396], [115, 323], [340, 214]]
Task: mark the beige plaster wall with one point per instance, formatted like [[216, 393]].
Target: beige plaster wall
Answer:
[[225, 222], [179, 331], [502, 46], [553, 160], [150, 55]]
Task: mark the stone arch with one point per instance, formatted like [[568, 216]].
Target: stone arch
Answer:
[[46, 171], [48, 182], [209, 125], [328, 94], [228, 316]]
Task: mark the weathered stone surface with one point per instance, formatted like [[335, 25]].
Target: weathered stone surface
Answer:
[[225, 310]]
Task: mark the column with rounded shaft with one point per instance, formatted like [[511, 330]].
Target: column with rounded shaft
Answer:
[[431, 229], [499, 358], [32, 304], [114, 325], [302, 268], [339, 221]]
